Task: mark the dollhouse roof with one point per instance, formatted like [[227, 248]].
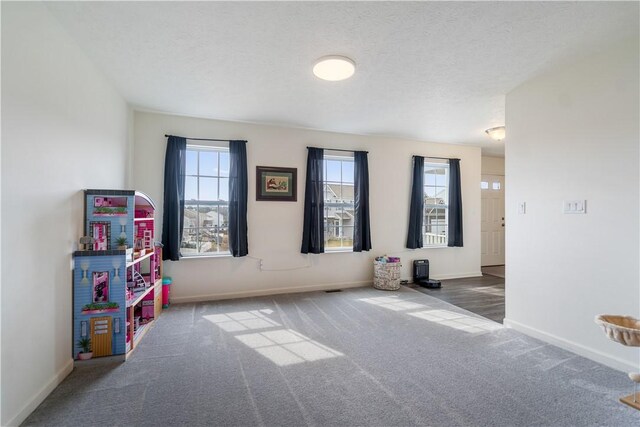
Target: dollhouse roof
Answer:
[[93, 192], [144, 200]]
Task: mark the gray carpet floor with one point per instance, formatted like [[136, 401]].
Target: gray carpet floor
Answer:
[[358, 357]]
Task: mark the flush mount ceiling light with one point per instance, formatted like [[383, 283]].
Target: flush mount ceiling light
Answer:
[[334, 68], [497, 133]]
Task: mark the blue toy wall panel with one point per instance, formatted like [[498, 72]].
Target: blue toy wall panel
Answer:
[[108, 271]]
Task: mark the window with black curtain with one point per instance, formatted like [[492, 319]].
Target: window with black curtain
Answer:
[[342, 178], [173, 211], [455, 204], [205, 198], [313, 228], [362, 222], [238, 199], [435, 215]]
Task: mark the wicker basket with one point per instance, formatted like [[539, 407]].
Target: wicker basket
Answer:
[[386, 276], [622, 329]]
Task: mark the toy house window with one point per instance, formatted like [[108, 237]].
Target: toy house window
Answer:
[[206, 212], [101, 233], [110, 206], [100, 286]]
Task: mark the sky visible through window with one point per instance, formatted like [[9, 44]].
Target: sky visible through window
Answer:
[[208, 167], [334, 174]]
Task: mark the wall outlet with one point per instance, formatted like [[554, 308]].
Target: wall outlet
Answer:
[[522, 208], [574, 207]]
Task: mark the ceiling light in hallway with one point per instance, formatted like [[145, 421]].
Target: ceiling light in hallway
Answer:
[[497, 133]]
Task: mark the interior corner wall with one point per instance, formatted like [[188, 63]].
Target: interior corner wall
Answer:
[[275, 228], [64, 129], [574, 135]]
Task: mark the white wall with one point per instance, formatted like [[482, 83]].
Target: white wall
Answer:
[[573, 134], [275, 228], [63, 129], [492, 165]]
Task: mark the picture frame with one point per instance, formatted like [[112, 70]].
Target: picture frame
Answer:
[[276, 184]]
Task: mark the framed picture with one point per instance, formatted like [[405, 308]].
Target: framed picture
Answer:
[[100, 286], [276, 184], [101, 233]]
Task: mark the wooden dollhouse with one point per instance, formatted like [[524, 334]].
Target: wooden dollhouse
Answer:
[[117, 280]]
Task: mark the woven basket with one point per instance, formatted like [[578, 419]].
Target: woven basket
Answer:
[[386, 276], [622, 329]]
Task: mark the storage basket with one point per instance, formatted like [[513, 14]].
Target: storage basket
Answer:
[[386, 276]]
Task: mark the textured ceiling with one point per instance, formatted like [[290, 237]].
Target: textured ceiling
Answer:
[[428, 71]]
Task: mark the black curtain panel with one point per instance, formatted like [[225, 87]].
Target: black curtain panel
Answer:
[[313, 231], [362, 224], [173, 213], [238, 190], [455, 204], [416, 208]]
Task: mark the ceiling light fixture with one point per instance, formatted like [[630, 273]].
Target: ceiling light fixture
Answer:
[[497, 133], [334, 68]]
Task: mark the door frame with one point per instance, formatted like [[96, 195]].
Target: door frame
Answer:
[[483, 200]]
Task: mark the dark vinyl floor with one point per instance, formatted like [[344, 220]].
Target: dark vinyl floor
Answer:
[[480, 295]]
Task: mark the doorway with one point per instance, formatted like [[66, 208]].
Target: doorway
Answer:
[[492, 221], [101, 332], [484, 295]]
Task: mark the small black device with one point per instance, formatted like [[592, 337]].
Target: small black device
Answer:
[[421, 275]]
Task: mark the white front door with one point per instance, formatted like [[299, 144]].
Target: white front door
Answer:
[[492, 223]]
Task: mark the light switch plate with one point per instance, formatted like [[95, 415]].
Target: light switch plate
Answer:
[[574, 207], [522, 208]]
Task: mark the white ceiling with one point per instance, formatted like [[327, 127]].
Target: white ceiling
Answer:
[[428, 71]]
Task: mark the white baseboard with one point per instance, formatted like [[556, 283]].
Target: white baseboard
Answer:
[[39, 397], [574, 347], [271, 291], [456, 275], [313, 288], [448, 276]]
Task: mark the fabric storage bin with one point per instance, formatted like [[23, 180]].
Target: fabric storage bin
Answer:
[[386, 276]]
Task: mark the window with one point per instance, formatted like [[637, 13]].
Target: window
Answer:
[[206, 211], [436, 203], [338, 202]]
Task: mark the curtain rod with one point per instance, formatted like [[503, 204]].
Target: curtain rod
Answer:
[[205, 139], [441, 158], [337, 149]]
